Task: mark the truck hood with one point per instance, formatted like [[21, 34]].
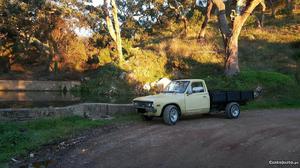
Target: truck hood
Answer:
[[154, 98]]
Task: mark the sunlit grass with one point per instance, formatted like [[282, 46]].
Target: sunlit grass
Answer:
[[18, 138]]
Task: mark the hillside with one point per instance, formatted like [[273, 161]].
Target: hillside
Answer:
[[269, 57]]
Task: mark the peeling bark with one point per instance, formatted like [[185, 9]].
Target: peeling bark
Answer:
[[260, 20], [223, 24], [109, 24], [207, 17], [114, 29], [118, 31], [232, 63]]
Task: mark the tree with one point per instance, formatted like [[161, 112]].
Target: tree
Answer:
[[231, 36], [206, 19], [180, 13], [209, 7], [32, 32], [114, 29]]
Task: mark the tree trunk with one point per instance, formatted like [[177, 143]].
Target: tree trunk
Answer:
[[185, 22], [289, 6], [272, 9], [260, 20], [109, 24], [114, 30], [204, 24], [222, 18], [232, 62], [118, 31]]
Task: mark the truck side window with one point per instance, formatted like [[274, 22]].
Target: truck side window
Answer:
[[197, 87]]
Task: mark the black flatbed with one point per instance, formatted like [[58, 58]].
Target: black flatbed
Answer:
[[218, 97]]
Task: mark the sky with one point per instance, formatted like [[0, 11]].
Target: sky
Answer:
[[97, 2], [84, 32]]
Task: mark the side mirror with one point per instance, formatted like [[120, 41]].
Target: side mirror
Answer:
[[189, 92]]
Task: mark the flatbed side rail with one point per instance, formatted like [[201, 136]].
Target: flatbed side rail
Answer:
[[224, 97]]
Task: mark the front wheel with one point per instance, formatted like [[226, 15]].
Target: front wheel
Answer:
[[171, 115], [232, 110]]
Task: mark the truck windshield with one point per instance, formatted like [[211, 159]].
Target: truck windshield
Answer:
[[176, 87]]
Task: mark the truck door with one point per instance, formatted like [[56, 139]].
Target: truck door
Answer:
[[197, 98]]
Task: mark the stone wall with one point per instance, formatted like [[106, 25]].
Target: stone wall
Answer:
[[26, 85], [88, 110]]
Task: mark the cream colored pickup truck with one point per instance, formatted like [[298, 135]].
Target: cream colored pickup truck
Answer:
[[189, 97]]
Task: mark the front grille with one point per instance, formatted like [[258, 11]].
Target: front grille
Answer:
[[141, 103], [140, 110]]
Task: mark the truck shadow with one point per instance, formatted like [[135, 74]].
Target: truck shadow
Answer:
[[199, 117], [204, 116]]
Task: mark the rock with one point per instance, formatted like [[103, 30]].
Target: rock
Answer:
[[251, 37], [15, 160], [147, 87], [122, 75], [258, 91], [163, 82], [85, 79]]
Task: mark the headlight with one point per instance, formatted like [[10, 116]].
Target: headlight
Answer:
[[150, 104]]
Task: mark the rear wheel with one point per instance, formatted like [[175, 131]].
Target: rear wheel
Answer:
[[232, 110], [171, 115]]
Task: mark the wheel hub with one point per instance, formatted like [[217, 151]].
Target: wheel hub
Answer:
[[173, 115]]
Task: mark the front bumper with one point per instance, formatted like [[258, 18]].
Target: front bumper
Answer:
[[145, 109]]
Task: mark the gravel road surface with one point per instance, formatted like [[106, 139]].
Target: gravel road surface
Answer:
[[256, 139]]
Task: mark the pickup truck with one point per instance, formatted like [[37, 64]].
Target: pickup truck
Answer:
[[188, 97]]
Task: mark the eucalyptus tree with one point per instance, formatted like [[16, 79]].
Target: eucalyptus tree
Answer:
[[34, 31], [231, 34], [110, 10]]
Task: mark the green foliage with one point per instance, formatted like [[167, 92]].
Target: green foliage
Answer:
[[196, 17], [146, 66], [105, 81], [17, 138], [251, 21], [270, 81], [105, 56]]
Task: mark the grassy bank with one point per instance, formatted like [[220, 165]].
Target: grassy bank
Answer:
[[18, 138], [269, 57]]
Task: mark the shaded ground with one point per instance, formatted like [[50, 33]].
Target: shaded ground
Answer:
[[205, 141]]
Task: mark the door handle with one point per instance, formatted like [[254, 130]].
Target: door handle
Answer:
[[204, 96]]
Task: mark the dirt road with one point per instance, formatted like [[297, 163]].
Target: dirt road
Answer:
[[253, 140]]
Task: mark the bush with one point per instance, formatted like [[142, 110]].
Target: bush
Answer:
[[273, 83]]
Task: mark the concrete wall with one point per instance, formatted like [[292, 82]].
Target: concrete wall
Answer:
[[24, 85], [37, 96], [88, 110]]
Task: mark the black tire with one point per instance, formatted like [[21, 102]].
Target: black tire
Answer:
[[232, 110], [171, 114], [147, 118]]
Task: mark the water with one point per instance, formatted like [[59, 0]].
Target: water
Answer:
[[22, 99]]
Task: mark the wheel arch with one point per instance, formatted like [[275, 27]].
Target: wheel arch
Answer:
[[175, 104]]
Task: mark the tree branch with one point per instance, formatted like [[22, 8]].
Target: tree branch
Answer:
[[109, 24]]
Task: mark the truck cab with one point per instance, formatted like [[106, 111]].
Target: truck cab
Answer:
[[181, 98]]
